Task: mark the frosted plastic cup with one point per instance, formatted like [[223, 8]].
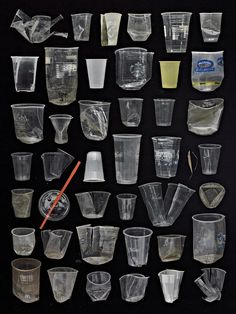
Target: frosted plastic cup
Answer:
[[169, 73], [94, 167], [21, 202], [96, 69]]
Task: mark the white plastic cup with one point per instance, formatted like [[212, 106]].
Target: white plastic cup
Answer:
[[94, 168], [96, 72]]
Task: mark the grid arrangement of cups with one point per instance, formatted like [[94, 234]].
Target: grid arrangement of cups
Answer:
[[133, 72]]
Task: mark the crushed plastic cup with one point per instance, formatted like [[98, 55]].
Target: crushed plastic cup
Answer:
[[26, 279], [97, 244], [176, 30], [170, 247], [22, 165], [24, 70], [210, 23], [131, 111], [137, 240], [93, 204], [96, 69], [139, 26], [169, 73], [94, 119], [98, 286], [211, 194], [61, 123], [62, 280], [126, 205], [81, 23], [170, 280], [94, 168], [163, 111], [28, 122], [23, 240], [55, 242], [126, 151], [209, 236], [110, 24], [21, 202], [209, 156], [133, 287]]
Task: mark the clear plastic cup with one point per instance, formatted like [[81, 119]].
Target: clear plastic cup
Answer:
[[96, 69], [23, 240], [133, 287], [170, 280], [210, 26], [169, 73], [21, 202], [170, 247], [163, 111], [126, 204], [139, 26], [209, 155], [98, 285], [22, 165], [81, 23], [131, 111], [61, 123]]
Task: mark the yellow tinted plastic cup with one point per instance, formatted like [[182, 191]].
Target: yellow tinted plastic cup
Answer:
[[169, 73]]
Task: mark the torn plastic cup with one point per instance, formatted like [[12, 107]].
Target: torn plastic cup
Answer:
[[24, 70], [110, 24], [137, 240], [28, 122], [98, 285], [126, 150], [207, 70], [210, 26], [169, 73], [93, 204], [176, 30], [170, 280], [55, 242], [209, 236], [26, 279], [139, 26], [22, 202], [170, 247], [204, 116], [210, 155], [96, 69], [94, 119], [62, 280], [61, 74], [81, 23], [36, 29], [131, 111], [211, 194], [22, 165], [23, 240], [163, 111], [133, 287], [94, 168], [166, 154], [61, 123], [97, 244], [126, 204]]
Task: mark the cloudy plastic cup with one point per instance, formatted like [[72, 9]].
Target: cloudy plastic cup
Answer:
[[164, 111], [139, 26], [22, 165], [23, 240], [81, 23], [96, 69], [210, 155], [210, 26], [98, 285], [94, 167], [169, 73], [22, 202], [131, 111]]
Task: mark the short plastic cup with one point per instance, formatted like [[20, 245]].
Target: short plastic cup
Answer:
[[24, 70], [126, 204], [131, 111], [169, 73], [96, 69], [22, 165], [170, 247], [98, 285], [133, 287], [139, 26], [23, 240], [94, 168], [22, 202], [210, 26], [209, 155], [81, 23], [163, 111]]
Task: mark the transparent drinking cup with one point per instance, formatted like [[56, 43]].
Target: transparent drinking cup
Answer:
[[24, 70], [22, 202], [131, 111], [209, 236], [176, 30], [94, 168], [98, 285], [81, 23], [163, 111], [210, 26], [126, 204], [126, 150], [26, 279], [209, 156], [96, 69], [139, 26], [28, 122], [137, 240], [133, 287], [61, 123], [169, 73], [22, 165], [23, 240], [166, 153], [170, 280], [170, 247]]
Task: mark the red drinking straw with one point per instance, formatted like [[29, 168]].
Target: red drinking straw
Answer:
[[60, 194]]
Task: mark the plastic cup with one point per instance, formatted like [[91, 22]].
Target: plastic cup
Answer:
[[94, 167], [133, 287], [98, 285], [61, 123], [210, 26], [81, 23], [139, 26], [22, 202], [209, 155], [96, 69], [131, 111], [169, 73], [23, 240], [170, 247], [164, 111], [22, 165], [126, 205]]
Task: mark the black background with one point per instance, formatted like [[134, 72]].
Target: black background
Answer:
[[12, 43]]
